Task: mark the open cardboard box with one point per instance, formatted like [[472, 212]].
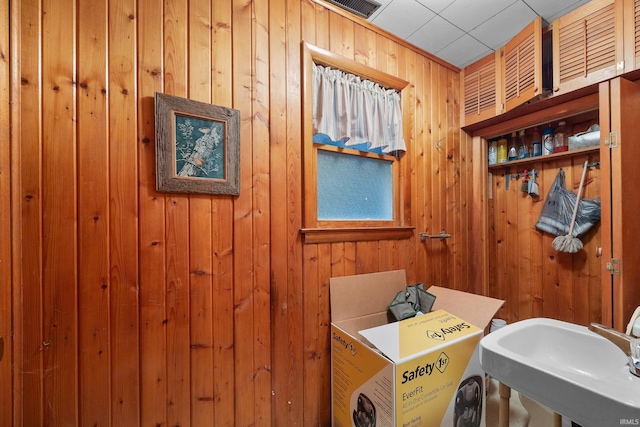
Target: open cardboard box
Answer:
[[418, 372]]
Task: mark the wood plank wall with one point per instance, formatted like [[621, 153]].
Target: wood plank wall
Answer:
[[5, 219], [133, 307], [524, 269]]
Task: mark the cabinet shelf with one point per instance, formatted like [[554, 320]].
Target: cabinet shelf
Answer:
[[547, 158]]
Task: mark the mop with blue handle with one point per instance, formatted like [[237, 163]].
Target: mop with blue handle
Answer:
[[569, 243]]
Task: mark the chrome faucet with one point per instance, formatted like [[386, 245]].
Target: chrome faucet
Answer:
[[628, 344]]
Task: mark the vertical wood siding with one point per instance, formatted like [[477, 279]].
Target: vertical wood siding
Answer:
[[133, 307], [534, 279]]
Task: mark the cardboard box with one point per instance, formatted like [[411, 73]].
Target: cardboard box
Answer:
[[418, 372]]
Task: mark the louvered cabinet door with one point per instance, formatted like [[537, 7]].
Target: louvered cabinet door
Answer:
[[522, 66], [631, 35], [480, 90], [588, 45]]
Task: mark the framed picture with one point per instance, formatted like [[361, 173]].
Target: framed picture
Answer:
[[197, 147]]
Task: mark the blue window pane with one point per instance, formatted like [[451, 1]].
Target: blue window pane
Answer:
[[354, 188]]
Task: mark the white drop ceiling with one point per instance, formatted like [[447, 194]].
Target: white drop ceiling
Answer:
[[463, 31]]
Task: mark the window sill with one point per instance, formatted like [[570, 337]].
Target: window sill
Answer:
[[355, 234]]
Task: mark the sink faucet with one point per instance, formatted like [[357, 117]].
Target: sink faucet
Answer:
[[629, 345]]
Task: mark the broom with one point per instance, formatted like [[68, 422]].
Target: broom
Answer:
[[569, 243]]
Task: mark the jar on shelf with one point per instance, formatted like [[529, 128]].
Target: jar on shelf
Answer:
[[560, 143], [502, 150]]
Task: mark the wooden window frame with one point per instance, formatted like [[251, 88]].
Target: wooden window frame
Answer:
[[322, 231]]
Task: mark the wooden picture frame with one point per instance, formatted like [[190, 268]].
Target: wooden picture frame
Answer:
[[197, 147]]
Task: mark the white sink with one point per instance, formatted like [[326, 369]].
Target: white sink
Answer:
[[575, 372]]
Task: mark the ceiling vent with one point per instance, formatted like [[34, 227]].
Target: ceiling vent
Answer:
[[364, 8]]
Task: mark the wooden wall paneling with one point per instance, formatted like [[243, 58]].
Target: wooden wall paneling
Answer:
[[322, 33], [593, 244], [151, 205], [28, 208], [243, 238], [294, 279], [367, 257], [222, 306], [6, 243], [407, 70], [535, 249], [439, 163], [426, 162], [222, 232], [455, 184], [279, 175], [317, 368], [481, 254], [59, 198], [177, 250], [511, 260], [524, 231], [564, 289], [93, 217], [341, 36], [261, 216], [366, 51], [201, 250], [585, 263], [310, 400], [123, 214], [500, 192], [322, 352], [416, 152], [550, 267]]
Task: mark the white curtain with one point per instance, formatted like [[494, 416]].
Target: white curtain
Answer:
[[345, 106]]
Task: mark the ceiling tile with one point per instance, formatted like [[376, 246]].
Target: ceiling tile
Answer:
[[510, 21], [436, 6], [468, 14], [435, 35], [403, 17], [463, 51]]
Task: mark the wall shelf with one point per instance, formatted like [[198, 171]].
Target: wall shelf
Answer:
[[547, 158]]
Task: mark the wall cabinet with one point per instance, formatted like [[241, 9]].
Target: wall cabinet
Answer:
[[631, 35], [588, 45], [522, 66], [480, 89], [505, 79], [591, 44]]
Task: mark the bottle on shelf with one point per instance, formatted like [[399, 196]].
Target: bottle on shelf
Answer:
[[493, 152], [502, 150], [560, 139], [523, 147], [536, 143], [547, 141], [513, 147]]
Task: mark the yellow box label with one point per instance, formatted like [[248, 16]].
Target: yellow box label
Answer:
[[426, 385], [431, 330]]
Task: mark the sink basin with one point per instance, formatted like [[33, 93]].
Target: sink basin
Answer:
[[575, 372]]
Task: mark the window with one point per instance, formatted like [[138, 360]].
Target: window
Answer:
[[340, 202]]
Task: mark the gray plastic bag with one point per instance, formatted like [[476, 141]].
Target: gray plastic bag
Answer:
[[557, 211]]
